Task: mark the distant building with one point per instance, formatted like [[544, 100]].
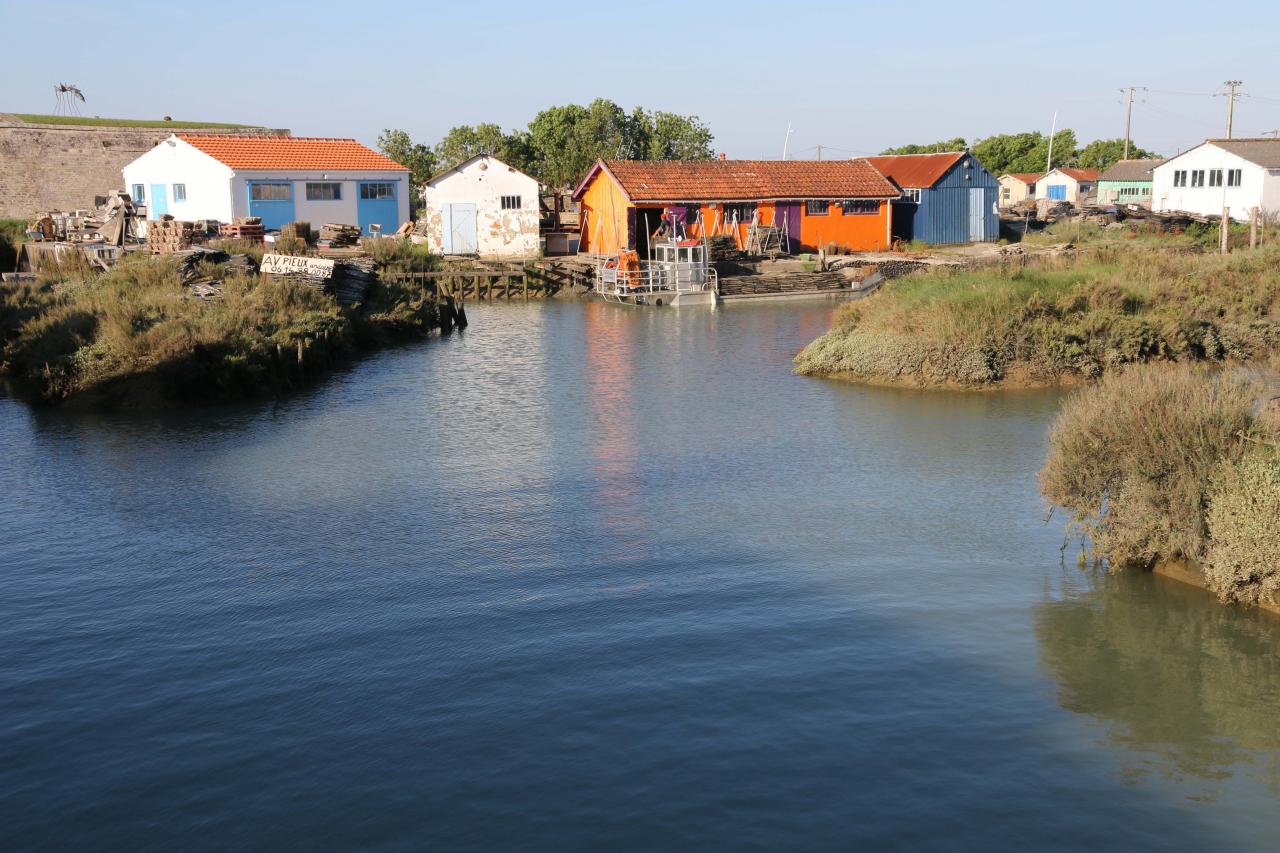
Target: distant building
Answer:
[[815, 203], [1127, 182], [1239, 174], [279, 178], [482, 207], [1018, 186], [1063, 184], [946, 198]]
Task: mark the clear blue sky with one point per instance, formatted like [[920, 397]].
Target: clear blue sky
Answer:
[[856, 77]]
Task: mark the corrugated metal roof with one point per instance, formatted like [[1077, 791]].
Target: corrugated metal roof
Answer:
[[915, 170], [1261, 152], [1080, 174], [743, 180], [290, 152], [1130, 170]]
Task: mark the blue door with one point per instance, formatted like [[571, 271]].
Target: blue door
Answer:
[[1058, 192], [376, 205], [273, 201], [159, 201]]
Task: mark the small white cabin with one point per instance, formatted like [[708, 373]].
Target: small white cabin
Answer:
[[1064, 184], [1237, 174], [482, 207]]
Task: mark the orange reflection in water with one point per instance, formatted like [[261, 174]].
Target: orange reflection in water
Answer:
[[610, 372]]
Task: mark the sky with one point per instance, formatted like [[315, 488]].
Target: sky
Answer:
[[853, 77]]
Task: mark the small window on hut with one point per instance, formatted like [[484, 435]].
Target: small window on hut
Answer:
[[511, 202], [816, 208], [911, 194], [139, 193], [1234, 176], [860, 207], [179, 192], [740, 212], [377, 191], [324, 192]]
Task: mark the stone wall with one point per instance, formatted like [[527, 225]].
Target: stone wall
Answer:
[[63, 166]]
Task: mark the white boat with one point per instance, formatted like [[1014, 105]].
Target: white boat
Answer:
[[679, 274]]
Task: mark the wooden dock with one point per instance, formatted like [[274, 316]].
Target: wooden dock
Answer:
[[480, 281]]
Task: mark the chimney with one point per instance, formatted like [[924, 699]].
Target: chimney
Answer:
[[721, 155]]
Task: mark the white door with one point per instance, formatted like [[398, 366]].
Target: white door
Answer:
[[977, 215]]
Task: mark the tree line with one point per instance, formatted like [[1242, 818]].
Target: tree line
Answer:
[[560, 144], [1028, 152]]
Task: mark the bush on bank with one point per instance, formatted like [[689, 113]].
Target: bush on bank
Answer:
[[1162, 462], [1075, 317], [138, 331]]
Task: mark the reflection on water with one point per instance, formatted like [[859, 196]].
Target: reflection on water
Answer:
[[1188, 687]]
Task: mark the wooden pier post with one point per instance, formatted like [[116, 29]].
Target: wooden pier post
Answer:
[[1253, 228]]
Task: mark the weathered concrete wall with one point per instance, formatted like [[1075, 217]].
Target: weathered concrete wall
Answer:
[[62, 167], [483, 181]]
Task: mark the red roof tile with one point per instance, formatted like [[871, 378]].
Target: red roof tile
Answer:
[[1025, 177], [289, 152], [915, 170], [743, 180]]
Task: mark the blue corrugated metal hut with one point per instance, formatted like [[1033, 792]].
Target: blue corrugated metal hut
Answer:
[[946, 198]]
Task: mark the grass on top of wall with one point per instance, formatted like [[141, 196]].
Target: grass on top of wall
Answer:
[[1056, 320], [96, 121]]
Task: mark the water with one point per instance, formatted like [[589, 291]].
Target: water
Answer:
[[597, 577]]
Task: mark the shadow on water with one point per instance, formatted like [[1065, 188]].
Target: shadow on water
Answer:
[[1186, 686]]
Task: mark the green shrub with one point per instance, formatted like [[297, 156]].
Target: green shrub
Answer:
[[1243, 560]]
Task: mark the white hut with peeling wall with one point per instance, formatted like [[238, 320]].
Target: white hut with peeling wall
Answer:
[[482, 207]]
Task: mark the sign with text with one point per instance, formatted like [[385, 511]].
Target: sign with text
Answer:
[[296, 265]]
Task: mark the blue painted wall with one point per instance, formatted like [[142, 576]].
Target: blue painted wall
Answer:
[[943, 215]]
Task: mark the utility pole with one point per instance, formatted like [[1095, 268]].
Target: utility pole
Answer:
[[819, 152], [787, 141], [1128, 117], [1231, 85]]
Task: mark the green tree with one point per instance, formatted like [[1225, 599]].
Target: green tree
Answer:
[[555, 158], [1102, 154], [465, 141], [677, 137], [418, 158], [1025, 152], [956, 144]]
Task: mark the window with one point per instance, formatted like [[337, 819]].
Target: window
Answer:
[[911, 194], [378, 190], [1234, 177], [1215, 177], [511, 202], [1004, 192], [324, 192], [269, 192], [139, 193], [860, 207], [179, 192], [816, 208], [1180, 178], [740, 212], [1197, 177]]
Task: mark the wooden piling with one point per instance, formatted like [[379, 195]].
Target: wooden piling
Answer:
[[1253, 228]]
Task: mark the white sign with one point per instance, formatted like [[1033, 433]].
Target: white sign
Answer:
[[296, 265]]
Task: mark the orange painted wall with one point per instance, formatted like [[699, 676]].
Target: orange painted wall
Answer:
[[604, 217], [859, 233]]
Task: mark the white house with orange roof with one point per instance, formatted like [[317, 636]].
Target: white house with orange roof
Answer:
[[279, 178]]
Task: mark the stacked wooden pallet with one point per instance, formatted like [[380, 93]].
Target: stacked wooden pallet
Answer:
[[297, 230], [167, 235], [339, 235], [244, 228]]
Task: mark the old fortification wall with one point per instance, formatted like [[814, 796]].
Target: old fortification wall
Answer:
[[63, 166]]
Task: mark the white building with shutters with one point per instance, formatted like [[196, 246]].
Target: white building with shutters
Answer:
[[482, 207], [1239, 174]]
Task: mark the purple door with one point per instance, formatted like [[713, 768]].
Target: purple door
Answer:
[[786, 214]]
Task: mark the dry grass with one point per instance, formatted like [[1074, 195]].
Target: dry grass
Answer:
[[1072, 317], [1158, 462]]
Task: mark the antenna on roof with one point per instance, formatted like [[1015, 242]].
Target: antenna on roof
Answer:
[[67, 96], [787, 141]]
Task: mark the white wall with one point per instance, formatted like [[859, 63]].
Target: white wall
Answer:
[[1017, 191], [176, 162], [1258, 188], [482, 182], [344, 211]]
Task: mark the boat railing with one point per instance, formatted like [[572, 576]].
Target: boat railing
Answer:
[[654, 277]]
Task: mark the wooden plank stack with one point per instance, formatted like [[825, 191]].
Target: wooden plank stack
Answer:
[[167, 235], [244, 228], [297, 230], [337, 236], [784, 282]]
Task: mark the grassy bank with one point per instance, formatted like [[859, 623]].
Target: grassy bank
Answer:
[[1165, 463], [137, 334], [1056, 320], [94, 121]]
